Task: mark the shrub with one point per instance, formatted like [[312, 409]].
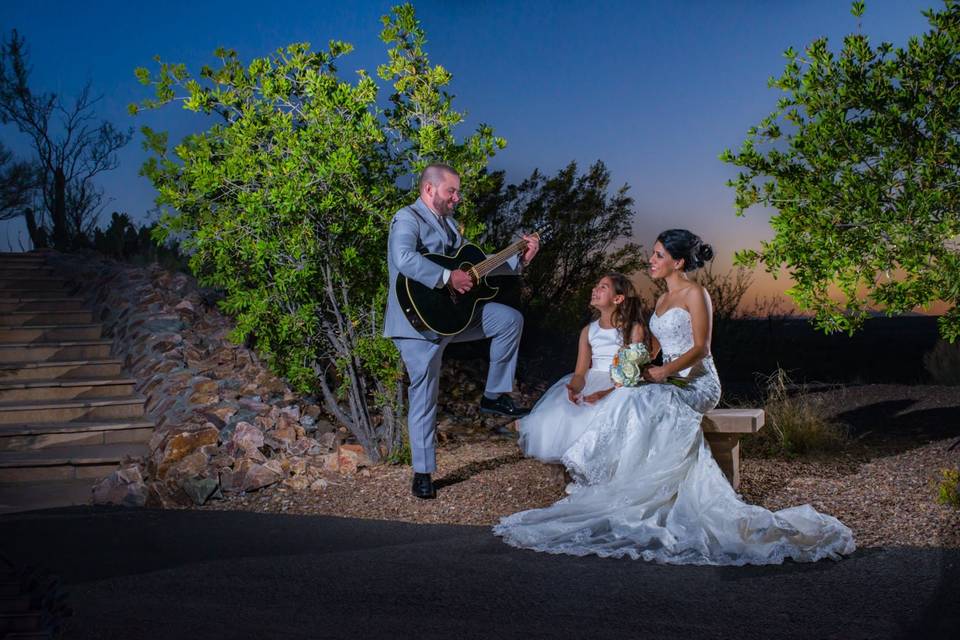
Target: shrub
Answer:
[[943, 363], [796, 425], [948, 491]]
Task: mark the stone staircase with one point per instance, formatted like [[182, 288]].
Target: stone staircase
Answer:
[[68, 413]]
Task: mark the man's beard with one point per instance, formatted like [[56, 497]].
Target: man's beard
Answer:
[[442, 207]]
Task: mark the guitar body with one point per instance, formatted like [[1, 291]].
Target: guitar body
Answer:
[[443, 311]]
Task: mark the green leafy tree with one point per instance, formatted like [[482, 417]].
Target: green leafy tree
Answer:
[[860, 161], [585, 232], [285, 202]]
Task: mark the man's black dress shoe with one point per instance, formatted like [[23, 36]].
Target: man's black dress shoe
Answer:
[[423, 486], [502, 406]]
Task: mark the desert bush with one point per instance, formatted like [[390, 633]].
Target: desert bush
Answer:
[[796, 425], [948, 490], [943, 363]]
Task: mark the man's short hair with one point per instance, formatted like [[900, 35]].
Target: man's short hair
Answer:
[[434, 173]]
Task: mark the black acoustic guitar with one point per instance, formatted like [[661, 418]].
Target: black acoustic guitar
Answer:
[[443, 311]]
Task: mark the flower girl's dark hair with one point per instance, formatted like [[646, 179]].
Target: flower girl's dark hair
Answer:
[[682, 244], [629, 313]]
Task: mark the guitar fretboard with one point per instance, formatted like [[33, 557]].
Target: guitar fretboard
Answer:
[[497, 259]]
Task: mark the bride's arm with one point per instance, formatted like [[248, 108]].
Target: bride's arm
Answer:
[[584, 356], [700, 307]]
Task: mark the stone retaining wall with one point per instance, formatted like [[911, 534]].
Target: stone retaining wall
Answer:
[[224, 423]]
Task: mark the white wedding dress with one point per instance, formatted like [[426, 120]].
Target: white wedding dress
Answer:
[[646, 486]]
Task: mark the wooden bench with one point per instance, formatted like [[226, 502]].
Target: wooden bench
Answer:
[[723, 429]]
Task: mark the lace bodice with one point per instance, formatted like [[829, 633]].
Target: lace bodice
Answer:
[[674, 332], [604, 344]]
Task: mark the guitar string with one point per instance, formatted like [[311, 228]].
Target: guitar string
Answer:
[[491, 263]]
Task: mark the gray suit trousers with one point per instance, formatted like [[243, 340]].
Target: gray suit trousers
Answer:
[[422, 359]]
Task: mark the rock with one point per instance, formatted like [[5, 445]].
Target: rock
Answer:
[[324, 426], [179, 445], [190, 466], [292, 412], [319, 485], [255, 406], [330, 461], [247, 437], [185, 306], [219, 415], [263, 475], [297, 483], [204, 391], [298, 466], [201, 489], [328, 440], [226, 434], [306, 446], [166, 495], [124, 487], [351, 458], [285, 433]]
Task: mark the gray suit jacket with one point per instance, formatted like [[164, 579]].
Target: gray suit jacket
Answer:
[[412, 230]]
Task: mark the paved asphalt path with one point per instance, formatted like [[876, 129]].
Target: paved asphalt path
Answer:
[[205, 574]]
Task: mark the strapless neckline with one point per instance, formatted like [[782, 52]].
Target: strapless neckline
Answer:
[[660, 315]]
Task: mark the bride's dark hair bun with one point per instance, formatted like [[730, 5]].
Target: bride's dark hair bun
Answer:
[[686, 246]]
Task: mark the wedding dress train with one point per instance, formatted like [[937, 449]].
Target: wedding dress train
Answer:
[[645, 485]]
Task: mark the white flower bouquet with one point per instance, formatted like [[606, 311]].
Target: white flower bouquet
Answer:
[[627, 367]]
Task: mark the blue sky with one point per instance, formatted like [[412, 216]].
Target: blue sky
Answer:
[[654, 89]]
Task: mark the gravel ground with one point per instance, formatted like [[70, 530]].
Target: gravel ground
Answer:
[[883, 487]]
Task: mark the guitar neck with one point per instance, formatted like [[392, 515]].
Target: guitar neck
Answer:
[[494, 261]]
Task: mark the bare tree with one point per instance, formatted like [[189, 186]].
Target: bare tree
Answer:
[[71, 147], [17, 182]]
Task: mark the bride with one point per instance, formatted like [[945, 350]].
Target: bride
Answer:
[[644, 482]]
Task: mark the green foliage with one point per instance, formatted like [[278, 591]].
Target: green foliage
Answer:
[[860, 160], [583, 232], [285, 202], [948, 490], [795, 424]]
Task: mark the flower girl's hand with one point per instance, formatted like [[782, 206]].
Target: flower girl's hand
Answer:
[[597, 395]]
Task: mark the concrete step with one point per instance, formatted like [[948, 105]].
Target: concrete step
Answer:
[[50, 333], [32, 282], [65, 463], [52, 351], [33, 318], [16, 497], [66, 389], [33, 436], [22, 270], [7, 258], [22, 621], [41, 304], [11, 604], [60, 370], [16, 294], [70, 410]]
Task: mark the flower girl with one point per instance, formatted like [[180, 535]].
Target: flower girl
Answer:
[[565, 410]]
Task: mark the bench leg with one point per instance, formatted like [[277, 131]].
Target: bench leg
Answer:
[[725, 448]]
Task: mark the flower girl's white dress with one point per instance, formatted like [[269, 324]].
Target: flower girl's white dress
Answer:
[[646, 486], [555, 423]]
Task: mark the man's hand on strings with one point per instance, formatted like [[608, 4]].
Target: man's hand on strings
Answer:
[[460, 281], [533, 246]]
